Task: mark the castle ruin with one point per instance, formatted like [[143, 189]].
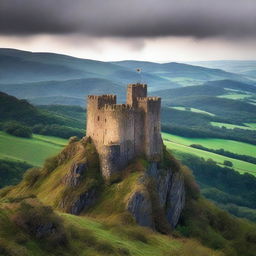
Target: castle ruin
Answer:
[[122, 132]]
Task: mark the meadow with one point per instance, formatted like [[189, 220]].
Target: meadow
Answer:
[[213, 143], [195, 110], [33, 151], [235, 96], [232, 126], [182, 144]]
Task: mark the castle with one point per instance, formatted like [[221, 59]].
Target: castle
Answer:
[[122, 132]]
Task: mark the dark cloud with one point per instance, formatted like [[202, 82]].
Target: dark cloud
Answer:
[[130, 18]]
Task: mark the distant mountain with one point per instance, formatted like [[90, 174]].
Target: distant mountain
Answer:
[[25, 67], [206, 97], [76, 88], [244, 67], [211, 88], [183, 74], [55, 75]]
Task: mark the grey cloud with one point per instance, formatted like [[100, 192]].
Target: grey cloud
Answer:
[[141, 18]]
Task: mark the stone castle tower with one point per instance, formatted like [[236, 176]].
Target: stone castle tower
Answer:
[[122, 132]]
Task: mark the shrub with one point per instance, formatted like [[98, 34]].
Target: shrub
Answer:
[[31, 176], [50, 164], [228, 163], [40, 222], [17, 129], [62, 131], [11, 172], [191, 187]]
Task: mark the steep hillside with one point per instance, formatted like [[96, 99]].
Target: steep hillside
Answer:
[[28, 228], [144, 193]]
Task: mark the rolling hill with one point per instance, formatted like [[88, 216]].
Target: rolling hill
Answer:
[[244, 67], [37, 75]]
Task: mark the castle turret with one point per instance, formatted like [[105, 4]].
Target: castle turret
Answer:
[[134, 91]]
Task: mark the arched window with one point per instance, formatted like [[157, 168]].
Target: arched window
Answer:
[[98, 118]]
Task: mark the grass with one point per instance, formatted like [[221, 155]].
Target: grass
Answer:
[[237, 147], [231, 126], [158, 245], [33, 151], [182, 145], [235, 96], [196, 110], [252, 125], [127, 239]]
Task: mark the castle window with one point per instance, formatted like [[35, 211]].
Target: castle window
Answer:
[[105, 120], [155, 129], [98, 118]]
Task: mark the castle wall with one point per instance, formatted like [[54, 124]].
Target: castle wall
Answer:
[[152, 127], [121, 132]]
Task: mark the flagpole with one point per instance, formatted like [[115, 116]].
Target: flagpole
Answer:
[[139, 71]]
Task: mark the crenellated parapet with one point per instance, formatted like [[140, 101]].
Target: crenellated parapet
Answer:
[[147, 99], [102, 100], [118, 107]]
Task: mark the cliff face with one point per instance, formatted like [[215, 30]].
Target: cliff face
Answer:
[[151, 193], [163, 189]]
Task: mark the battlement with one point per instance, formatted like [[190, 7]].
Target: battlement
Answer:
[[149, 99], [117, 107], [102, 100], [137, 85], [104, 96]]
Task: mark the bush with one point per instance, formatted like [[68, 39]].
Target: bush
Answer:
[[11, 172], [228, 163], [50, 164], [41, 223], [17, 129], [191, 187], [31, 176], [58, 130]]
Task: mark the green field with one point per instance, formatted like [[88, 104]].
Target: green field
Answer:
[[159, 244], [181, 144], [33, 151], [196, 110], [231, 126], [235, 96], [252, 125]]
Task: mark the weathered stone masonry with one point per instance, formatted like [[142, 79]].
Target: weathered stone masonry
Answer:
[[122, 132]]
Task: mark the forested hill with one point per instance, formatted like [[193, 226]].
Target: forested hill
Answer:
[[48, 121]]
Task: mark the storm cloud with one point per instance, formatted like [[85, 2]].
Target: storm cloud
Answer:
[[141, 18]]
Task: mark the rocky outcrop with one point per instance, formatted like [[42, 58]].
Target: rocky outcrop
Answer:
[[139, 205], [74, 202], [169, 187], [74, 177], [83, 202]]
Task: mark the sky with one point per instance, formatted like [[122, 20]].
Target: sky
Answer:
[[151, 30]]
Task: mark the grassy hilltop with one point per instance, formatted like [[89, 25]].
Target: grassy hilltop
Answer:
[[33, 221]]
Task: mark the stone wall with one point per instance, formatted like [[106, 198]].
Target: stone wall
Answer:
[[121, 132]]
